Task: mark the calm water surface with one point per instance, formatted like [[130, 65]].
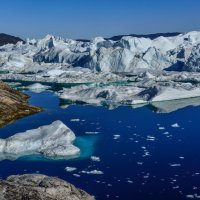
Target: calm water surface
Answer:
[[150, 159]]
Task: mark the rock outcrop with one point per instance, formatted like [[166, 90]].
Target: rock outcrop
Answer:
[[39, 187], [13, 105], [9, 39]]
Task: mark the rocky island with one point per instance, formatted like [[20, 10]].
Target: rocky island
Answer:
[[13, 105], [40, 187]]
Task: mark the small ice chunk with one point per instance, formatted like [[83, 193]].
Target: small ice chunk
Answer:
[[190, 196], [161, 128], [175, 165], [176, 125], [115, 137], [95, 158], [70, 169], [129, 181], [75, 120], [166, 133], [76, 175], [92, 132], [96, 172], [37, 87], [150, 138]]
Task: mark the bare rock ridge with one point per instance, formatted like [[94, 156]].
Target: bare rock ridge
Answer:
[[8, 39], [13, 105], [39, 187]]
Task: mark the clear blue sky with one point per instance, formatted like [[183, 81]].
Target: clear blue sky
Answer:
[[90, 18]]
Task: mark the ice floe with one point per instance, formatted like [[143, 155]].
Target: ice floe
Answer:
[[115, 137], [70, 169], [95, 158], [176, 125], [96, 172]]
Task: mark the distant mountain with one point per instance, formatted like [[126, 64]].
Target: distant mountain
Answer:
[[8, 39], [150, 36]]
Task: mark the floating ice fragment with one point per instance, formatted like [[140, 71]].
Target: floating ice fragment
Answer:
[[150, 138], [92, 132], [176, 125], [190, 196], [70, 169], [37, 87], [97, 172], [76, 175], [129, 181], [176, 187], [95, 158], [161, 128], [174, 165], [166, 133], [116, 137], [75, 120]]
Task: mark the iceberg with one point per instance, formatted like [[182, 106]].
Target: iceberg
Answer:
[[37, 87], [130, 94], [52, 141]]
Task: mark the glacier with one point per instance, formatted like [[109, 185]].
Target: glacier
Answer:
[[130, 70], [51, 141]]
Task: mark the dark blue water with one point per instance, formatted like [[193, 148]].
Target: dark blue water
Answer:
[[144, 163]]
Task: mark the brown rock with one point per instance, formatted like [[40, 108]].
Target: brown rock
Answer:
[[39, 187], [13, 105]]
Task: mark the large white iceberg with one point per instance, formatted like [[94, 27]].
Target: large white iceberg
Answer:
[[54, 140], [130, 94]]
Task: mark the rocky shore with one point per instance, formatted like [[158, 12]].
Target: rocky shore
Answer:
[[39, 187], [13, 105]]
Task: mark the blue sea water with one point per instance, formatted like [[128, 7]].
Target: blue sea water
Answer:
[[150, 160]]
